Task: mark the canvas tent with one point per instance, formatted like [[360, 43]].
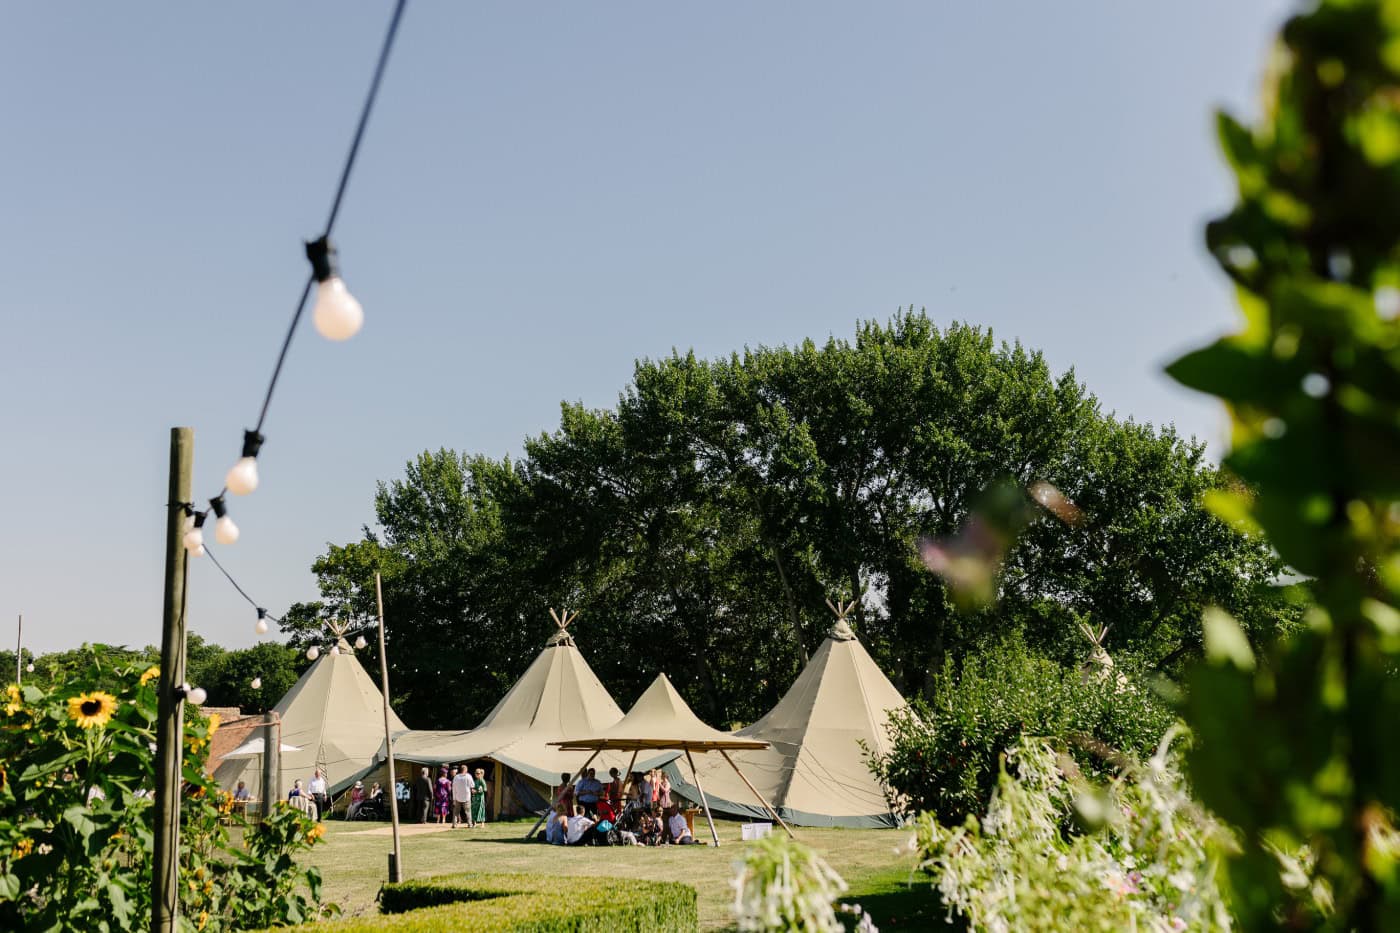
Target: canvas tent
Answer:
[[558, 696], [661, 719], [814, 769], [333, 717]]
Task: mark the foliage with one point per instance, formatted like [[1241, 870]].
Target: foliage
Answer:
[[76, 821], [1146, 862], [710, 514], [229, 679], [944, 755], [783, 885], [1297, 748], [491, 903]]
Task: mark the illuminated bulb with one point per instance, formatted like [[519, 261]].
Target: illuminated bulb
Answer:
[[256, 683], [29, 667], [225, 531], [261, 627], [360, 642], [313, 653], [197, 696], [335, 649], [243, 477], [194, 538], [338, 316]]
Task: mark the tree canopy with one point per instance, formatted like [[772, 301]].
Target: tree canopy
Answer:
[[699, 525]]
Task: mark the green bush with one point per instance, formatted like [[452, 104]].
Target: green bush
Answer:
[[485, 903], [944, 754]]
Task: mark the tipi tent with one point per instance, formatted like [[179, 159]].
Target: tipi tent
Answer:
[[558, 696], [334, 717], [814, 770], [661, 719]]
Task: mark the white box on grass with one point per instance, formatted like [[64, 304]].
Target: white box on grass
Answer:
[[753, 831]]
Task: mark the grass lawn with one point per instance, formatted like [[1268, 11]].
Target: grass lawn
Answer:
[[354, 865]]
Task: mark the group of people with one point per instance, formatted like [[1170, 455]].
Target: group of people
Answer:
[[456, 796], [318, 792], [638, 811]]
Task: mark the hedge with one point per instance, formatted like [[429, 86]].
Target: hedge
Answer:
[[488, 903]]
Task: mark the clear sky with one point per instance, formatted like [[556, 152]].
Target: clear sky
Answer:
[[547, 192]]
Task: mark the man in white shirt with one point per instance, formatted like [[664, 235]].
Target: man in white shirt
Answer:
[[318, 793], [579, 825], [461, 797], [680, 830]]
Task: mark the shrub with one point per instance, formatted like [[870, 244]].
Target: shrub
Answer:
[[783, 885], [76, 821], [1148, 861], [944, 754], [486, 903]]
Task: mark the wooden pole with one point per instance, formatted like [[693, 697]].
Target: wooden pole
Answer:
[[766, 805], [561, 793], [19, 651], [395, 857], [271, 762], [703, 802], [170, 709]]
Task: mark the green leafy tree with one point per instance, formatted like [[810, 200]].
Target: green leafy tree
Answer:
[[1296, 748]]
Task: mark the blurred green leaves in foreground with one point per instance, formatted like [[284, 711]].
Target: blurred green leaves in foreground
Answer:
[[1296, 748]]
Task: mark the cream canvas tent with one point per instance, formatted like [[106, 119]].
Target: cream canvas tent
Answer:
[[661, 719], [558, 696], [814, 770], [334, 717]]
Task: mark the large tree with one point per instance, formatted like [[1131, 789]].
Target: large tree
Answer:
[[700, 524]]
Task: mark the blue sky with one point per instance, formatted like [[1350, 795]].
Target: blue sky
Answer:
[[547, 192]]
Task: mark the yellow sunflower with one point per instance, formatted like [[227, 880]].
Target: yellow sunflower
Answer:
[[151, 674], [92, 709], [214, 721], [22, 848], [13, 701], [315, 832]]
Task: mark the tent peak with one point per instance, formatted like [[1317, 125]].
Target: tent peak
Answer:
[[562, 636], [841, 629]]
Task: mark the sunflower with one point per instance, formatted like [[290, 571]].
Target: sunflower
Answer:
[[13, 701], [214, 721], [151, 674], [315, 832], [92, 709]]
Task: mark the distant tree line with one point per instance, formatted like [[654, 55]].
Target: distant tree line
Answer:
[[699, 525]]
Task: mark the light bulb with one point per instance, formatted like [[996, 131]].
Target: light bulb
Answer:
[[225, 531], [313, 653], [197, 696], [261, 627], [194, 541], [256, 683], [335, 649], [360, 642], [338, 316], [197, 552], [29, 667], [243, 477]]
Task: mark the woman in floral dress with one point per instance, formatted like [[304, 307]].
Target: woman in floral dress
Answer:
[[442, 796]]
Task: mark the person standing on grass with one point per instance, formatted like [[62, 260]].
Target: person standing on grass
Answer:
[[566, 793], [663, 790], [615, 790], [461, 797], [589, 787], [442, 796], [422, 797], [319, 794], [479, 798]]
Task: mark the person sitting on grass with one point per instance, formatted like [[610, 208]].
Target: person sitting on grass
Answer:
[[649, 828], [296, 790], [557, 829], [579, 825], [678, 829]]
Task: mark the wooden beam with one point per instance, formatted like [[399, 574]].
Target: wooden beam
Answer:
[[703, 802], [766, 805]]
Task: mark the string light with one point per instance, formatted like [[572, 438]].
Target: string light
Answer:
[[194, 538], [225, 531], [195, 695], [337, 315], [261, 627], [256, 683], [360, 642], [313, 653], [242, 477]]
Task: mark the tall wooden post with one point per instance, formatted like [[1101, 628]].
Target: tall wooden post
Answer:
[[395, 857], [271, 762], [170, 709], [19, 650]]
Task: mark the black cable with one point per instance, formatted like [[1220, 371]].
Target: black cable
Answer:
[[241, 592]]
